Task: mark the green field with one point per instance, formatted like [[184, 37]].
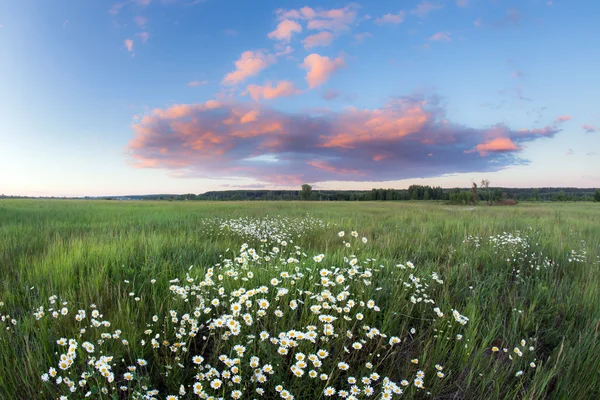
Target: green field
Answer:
[[528, 272]]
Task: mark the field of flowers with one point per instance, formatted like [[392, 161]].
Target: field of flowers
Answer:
[[159, 300]]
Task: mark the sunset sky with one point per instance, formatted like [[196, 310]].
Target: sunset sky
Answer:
[[107, 97]]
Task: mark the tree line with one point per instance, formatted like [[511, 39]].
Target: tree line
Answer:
[[414, 192]]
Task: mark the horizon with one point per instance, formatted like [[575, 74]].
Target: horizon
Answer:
[[193, 96]]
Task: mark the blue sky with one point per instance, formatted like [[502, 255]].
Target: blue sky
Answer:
[[155, 96]]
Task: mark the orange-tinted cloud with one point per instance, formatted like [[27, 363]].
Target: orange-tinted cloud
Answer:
[[425, 7], [284, 30], [399, 140], [562, 118], [140, 21], [268, 91], [143, 36], [335, 20], [319, 39], [196, 83], [391, 18], [590, 128], [319, 68], [501, 144], [128, 45], [441, 37], [249, 64]]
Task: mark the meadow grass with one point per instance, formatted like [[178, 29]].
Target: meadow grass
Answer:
[[537, 281]]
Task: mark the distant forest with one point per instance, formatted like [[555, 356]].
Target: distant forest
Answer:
[[415, 192]]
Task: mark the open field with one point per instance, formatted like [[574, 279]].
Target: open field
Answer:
[[440, 302]]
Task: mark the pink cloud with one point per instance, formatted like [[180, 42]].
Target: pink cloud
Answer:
[[396, 141], [425, 7], [562, 118], [331, 94], [391, 18], [128, 45], [143, 36], [140, 21], [142, 3], [116, 8], [334, 20], [319, 39], [249, 64], [197, 83], [319, 68], [441, 37], [500, 144], [268, 91], [590, 128], [286, 50], [478, 22], [569, 152], [462, 3], [360, 37], [284, 30], [325, 166]]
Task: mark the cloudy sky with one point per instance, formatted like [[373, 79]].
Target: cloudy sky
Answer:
[[107, 97]]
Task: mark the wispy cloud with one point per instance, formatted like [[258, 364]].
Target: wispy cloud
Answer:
[[590, 128], [143, 36], [197, 83], [128, 45], [441, 37], [569, 152], [425, 7], [230, 32], [319, 68], [140, 21], [249, 64], [409, 137], [361, 36], [284, 30], [562, 118], [268, 91], [335, 20], [391, 18], [318, 39], [331, 94], [116, 8], [462, 3]]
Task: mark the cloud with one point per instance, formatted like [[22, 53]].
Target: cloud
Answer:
[[569, 152], [512, 18], [197, 83], [441, 37], [331, 94], [425, 7], [391, 18], [590, 128], [478, 22], [334, 20], [408, 137], [319, 68], [116, 8], [286, 50], [517, 74], [268, 91], [361, 36], [142, 3], [143, 36], [230, 32], [249, 64], [128, 45], [562, 118], [318, 39], [462, 3], [284, 30], [140, 21], [497, 145]]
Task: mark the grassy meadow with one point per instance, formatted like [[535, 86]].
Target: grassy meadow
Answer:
[[182, 300]]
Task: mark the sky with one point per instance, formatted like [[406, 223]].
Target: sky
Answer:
[[103, 97]]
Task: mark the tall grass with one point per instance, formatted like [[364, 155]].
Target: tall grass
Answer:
[[85, 251]]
